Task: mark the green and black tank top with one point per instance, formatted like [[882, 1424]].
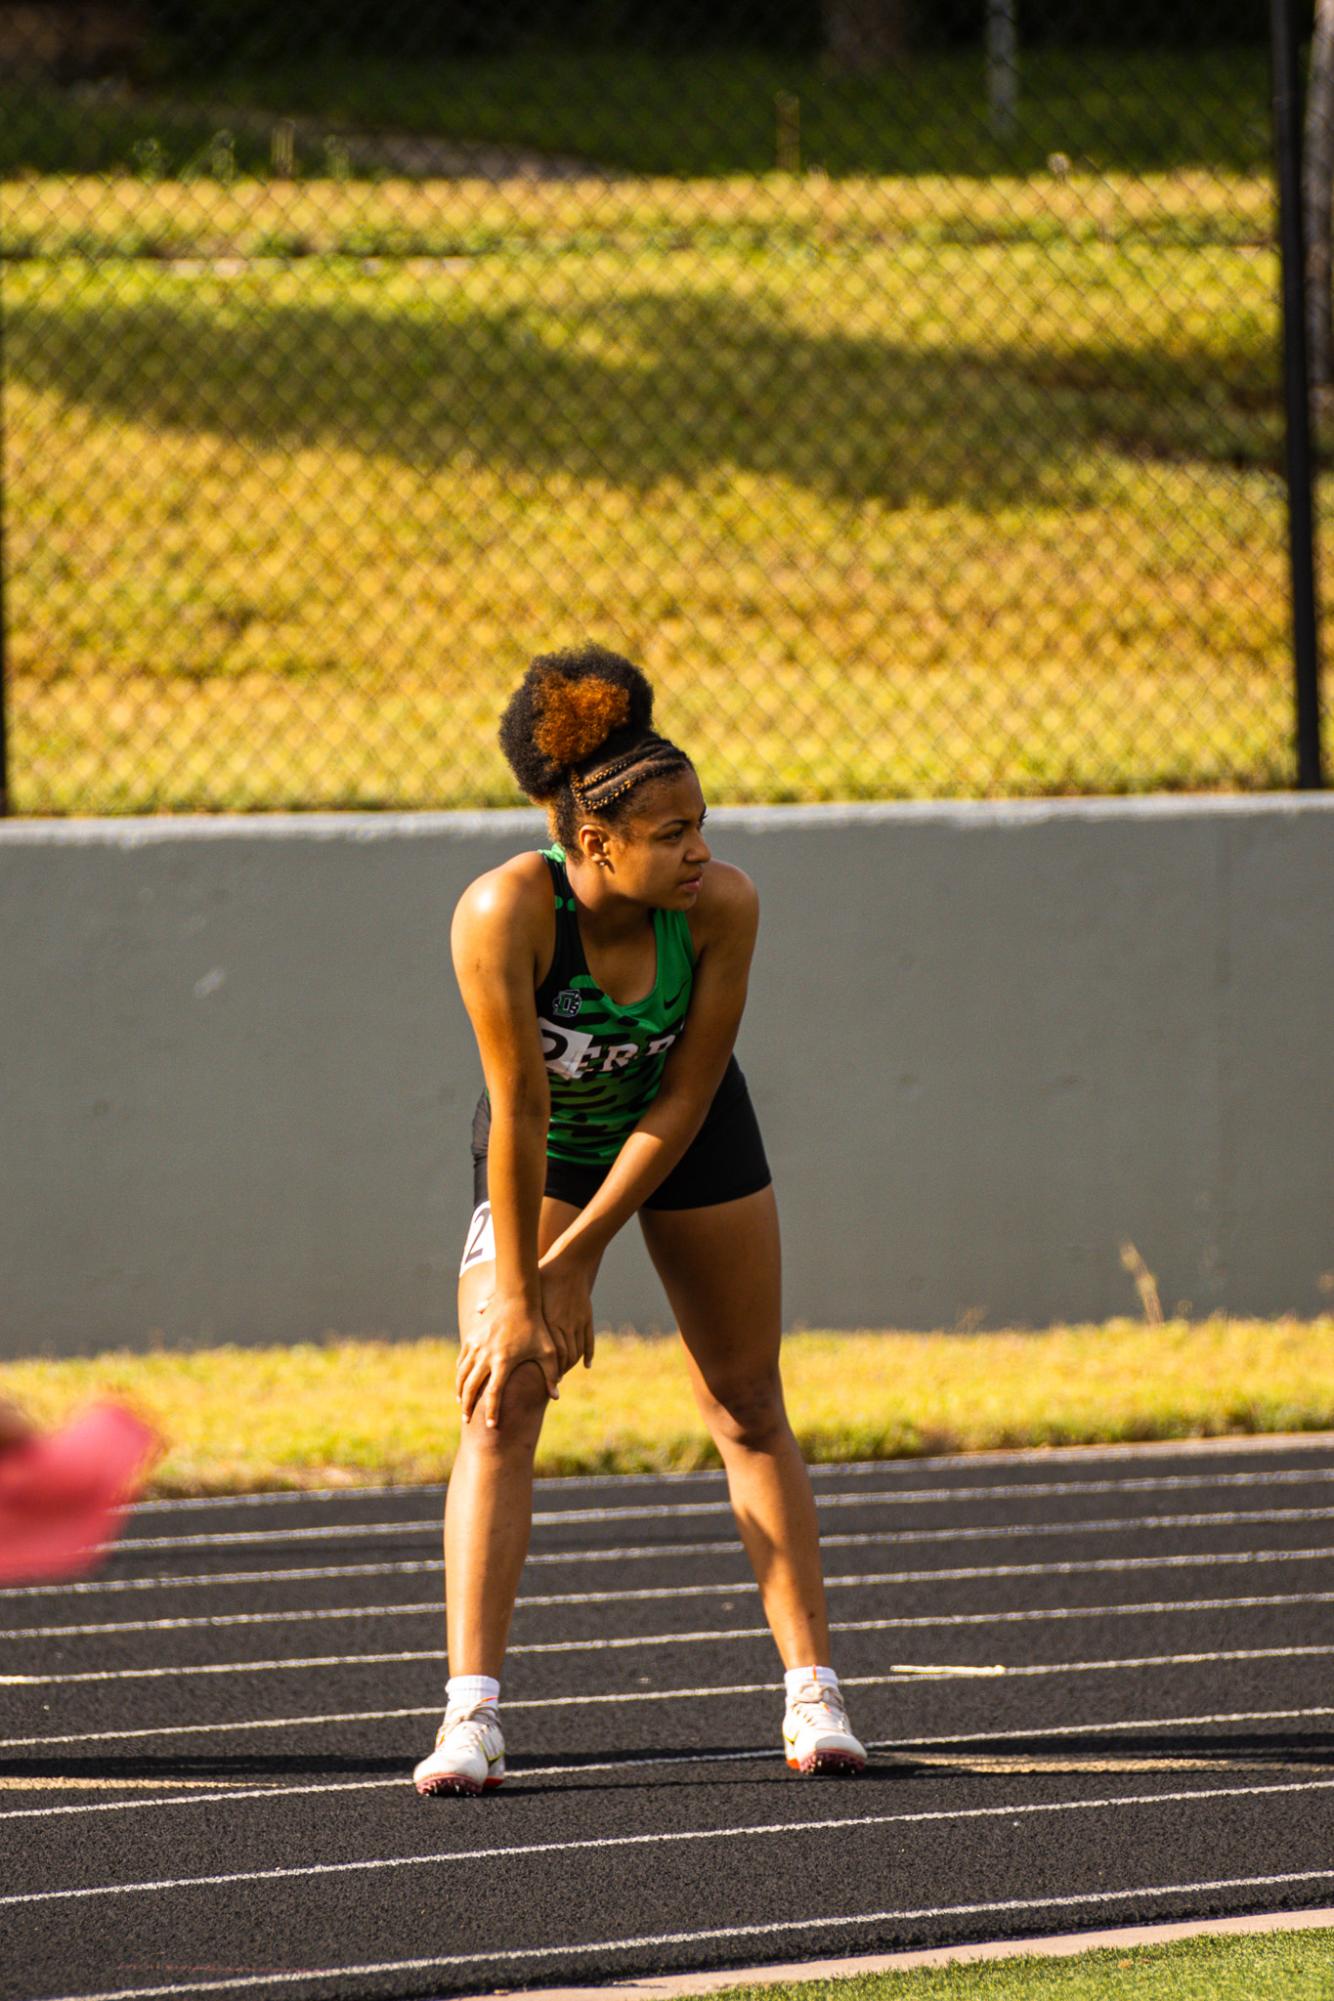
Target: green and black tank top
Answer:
[[605, 1060]]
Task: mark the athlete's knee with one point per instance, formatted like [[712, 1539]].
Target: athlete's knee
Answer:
[[746, 1411], [523, 1404]]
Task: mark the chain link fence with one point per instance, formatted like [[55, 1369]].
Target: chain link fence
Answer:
[[900, 385]]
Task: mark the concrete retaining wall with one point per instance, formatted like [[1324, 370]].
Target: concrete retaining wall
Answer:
[[989, 1043]]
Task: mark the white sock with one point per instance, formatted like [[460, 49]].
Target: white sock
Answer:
[[465, 1691], [797, 1678]]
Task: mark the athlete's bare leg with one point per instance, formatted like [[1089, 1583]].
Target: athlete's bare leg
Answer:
[[489, 1506], [721, 1269]]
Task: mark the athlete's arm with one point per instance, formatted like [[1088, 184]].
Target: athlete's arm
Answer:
[[495, 942], [725, 931]]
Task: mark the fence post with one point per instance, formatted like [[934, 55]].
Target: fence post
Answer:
[[1296, 390], [1002, 69]]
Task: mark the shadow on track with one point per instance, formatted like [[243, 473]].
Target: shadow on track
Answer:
[[985, 1758], [224, 1770]]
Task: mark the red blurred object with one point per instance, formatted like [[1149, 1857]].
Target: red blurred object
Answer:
[[64, 1494]]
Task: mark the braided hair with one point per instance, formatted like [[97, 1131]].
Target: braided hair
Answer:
[[578, 734]]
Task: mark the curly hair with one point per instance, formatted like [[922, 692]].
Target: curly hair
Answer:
[[578, 734]]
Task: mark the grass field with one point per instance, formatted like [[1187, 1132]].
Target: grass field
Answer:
[[901, 487], [362, 1412], [1280, 1966]]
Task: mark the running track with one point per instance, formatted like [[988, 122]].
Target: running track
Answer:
[[204, 1750]]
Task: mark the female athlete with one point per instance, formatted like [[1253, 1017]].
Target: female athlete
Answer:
[[605, 979]]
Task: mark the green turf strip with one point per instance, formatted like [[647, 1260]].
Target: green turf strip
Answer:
[[360, 1412], [1275, 1966]]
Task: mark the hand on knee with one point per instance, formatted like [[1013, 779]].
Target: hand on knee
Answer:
[[523, 1404]]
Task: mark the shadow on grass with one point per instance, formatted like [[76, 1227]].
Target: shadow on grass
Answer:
[[698, 384]]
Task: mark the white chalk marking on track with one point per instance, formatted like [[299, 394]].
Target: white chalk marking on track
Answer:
[[674, 1510], [896, 1673], [861, 1539], [721, 1635], [744, 1587], [1069, 1901], [159, 1885], [653, 1759]]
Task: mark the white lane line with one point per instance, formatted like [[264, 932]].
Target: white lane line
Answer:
[[674, 1510], [743, 1588], [1136, 1661], [965, 1532], [896, 1673], [992, 1739], [232, 1793], [955, 1574], [842, 1469], [278, 1497], [164, 1581], [1069, 1900], [220, 1729], [860, 1539], [323, 1532], [563, 1483], [1287, 1444], [1017, 1736], [602, 1842], [559, 1483], [721, 1636]]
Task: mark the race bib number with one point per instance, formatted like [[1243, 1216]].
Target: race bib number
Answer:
[[480, 1247], [563, 1049]]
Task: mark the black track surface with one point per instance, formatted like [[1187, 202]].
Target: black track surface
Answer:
[[205, 1749]]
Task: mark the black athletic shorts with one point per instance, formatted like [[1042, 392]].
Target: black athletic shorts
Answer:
[[723, 1162]]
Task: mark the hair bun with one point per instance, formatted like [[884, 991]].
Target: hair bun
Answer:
[[566, 708], [577, 716]]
